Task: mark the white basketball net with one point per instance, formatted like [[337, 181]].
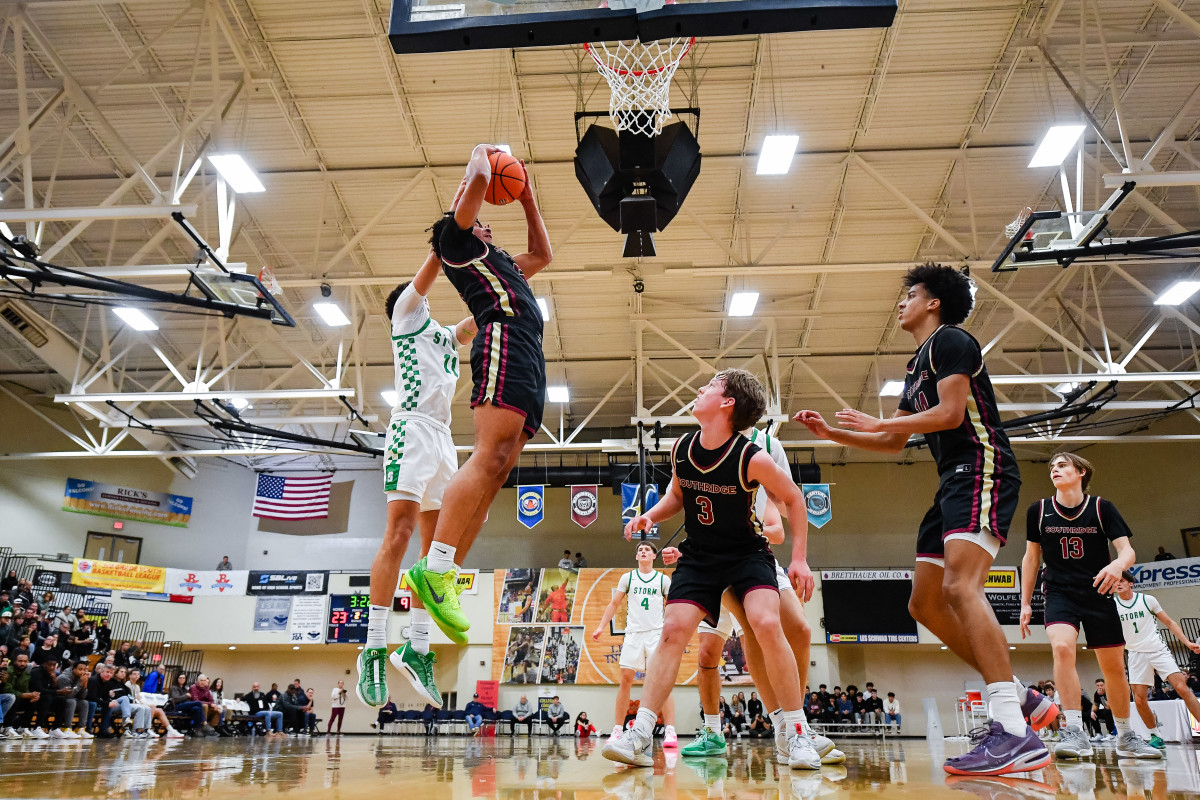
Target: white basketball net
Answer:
[[639, 75]]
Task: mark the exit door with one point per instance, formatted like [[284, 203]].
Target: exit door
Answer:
[[106, 547]]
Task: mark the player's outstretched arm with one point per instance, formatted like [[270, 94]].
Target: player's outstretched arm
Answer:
[[539, 254], [465, 331], [1106, 579], [877, 442], [423, 281], [778, 483], [1177, 631], [1029, 570], [609, 611], [947, 414], [474, 186]]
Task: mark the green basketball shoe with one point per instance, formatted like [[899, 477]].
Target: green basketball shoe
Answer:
[[1157, 741], [708, 743], [372, 682], [440, 598], [419, 671]]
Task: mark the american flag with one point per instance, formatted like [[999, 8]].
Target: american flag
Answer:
[[292, 498]]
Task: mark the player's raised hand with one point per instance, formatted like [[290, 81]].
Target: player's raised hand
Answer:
[[526, 193], [670, 555], [802, 579], [639, 523], [814, 422], [858, 421], [1026, 618], [1106, 579]]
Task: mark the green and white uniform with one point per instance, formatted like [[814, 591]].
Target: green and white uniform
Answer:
[[1148, 653], [644, 617], [420, 457]]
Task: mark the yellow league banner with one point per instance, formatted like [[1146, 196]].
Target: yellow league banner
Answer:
[[115, 575]]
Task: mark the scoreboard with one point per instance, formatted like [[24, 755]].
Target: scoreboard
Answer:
[[348, 618]]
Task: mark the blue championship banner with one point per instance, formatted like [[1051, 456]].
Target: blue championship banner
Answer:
[[630, 507], [531, 505], [817, 503]]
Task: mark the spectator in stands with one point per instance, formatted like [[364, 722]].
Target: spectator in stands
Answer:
[[75, 698], [273, 695], [339, 707], [83, 642], [556, 715], [523, 713], [291, 704], [10, 581], [103, 636], [64, 616], [891, 710], [114, 699], [824, 696], [153, 684], [387, 713], [6, 626], [260, 708], [737, 712], [23, 595], [310, 712], [17, 685], [873, 706], [761, 728], [46, 702], [429, 719], [474, 711], [1163, 555], [754, 708], [145, 712], [1089, 721], [218, 693], [7, 700], [121, 657], [583, 726], [134, 656], [80, 619], [225, 564], [180, 702], [565, 562], [1101, 711], [201, 692], [49, 649], [580, 561], [843, 709]]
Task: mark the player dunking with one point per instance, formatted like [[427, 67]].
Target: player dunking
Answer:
[[419, 462], [508, 369], [1148, 653], [717, 476], [645, 590], [948, 398], [1071, 533]]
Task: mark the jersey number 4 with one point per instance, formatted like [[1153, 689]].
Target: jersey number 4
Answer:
[[645, 604], [705, 515], [1072, 547]]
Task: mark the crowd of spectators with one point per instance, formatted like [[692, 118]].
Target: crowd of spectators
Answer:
[[476, 716], [851, 706]]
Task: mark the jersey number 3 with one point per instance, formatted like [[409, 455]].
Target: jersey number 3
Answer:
[[1072, 547], [705, 515]]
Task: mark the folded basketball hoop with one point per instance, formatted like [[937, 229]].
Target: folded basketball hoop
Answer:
[[639, 75]]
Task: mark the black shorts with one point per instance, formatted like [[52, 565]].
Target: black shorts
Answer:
[[702, 581], [508, 369], [967, 502], [1086, 608]]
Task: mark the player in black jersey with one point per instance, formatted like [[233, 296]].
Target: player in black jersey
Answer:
[[948, 399], [1071, 533], [507, 366], [717, 475]]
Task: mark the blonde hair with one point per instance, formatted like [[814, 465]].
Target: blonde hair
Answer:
[[1080, 463]]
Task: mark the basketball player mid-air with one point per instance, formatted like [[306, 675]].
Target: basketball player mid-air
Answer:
[[717, 476], [508, 370], [1071, 533], [645, 591], [419, 462], [948, 398]]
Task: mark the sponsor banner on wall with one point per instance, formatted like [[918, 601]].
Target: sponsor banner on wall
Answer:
[[122, 502], [196, 583], [271, 614], [817, 503], [51, 580], [489, 693], [531, 505], [1166, 574], [1003, 591], [157, 597], [467, 582], [117, 575], [287, 582], [306, 625], [585, 504], [631, 507]]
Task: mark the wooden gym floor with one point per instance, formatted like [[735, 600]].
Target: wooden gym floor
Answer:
[[456, 768]]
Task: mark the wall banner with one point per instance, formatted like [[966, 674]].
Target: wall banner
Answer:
[[271, 614], [306, 625], [116, 575], [122, 502], [287, 582], [1166, 574], [196, 583]]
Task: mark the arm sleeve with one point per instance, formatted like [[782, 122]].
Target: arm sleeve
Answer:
[[955, 352], [409, 313], [458, 246], [1111, 521], [1033, 531], [1153, 604], [623, 584]]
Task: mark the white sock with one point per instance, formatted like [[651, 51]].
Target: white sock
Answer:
[[643, 726], [793, 722], [713, 722], [1123, 726], [804, 727], [1073, 717], [418, 631], [1006, 708], [377, 617], [440, 558], [1020, 687]]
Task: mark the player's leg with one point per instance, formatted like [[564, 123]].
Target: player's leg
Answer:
[[710, 742], [1141, 700], [1064, 641], [679, 623], [413, 658], [928, 604], [402, 515], [1178, 682], [1112, 666]]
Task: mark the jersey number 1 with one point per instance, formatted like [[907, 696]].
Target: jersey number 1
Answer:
[[1072, 547]]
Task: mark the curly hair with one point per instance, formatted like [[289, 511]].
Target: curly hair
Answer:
[[435, 231], [749, 397], [952, 287], [390, 304]]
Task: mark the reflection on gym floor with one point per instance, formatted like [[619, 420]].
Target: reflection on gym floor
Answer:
[[521, 768]]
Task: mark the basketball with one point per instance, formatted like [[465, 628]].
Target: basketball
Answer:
[[508, 179]]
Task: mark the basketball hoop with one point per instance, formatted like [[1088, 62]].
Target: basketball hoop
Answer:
[[639, 75], [1014, 227]]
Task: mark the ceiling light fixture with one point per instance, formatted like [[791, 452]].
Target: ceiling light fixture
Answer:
[[558, 394], [390, 397], [1179, 292], [775, 158], [891, 389], [135, 318], [742, 304], [1056, 145], [237, 173], [331, 314], [544, 305]]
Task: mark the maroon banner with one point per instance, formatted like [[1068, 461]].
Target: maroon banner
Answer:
[[585, 504]]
